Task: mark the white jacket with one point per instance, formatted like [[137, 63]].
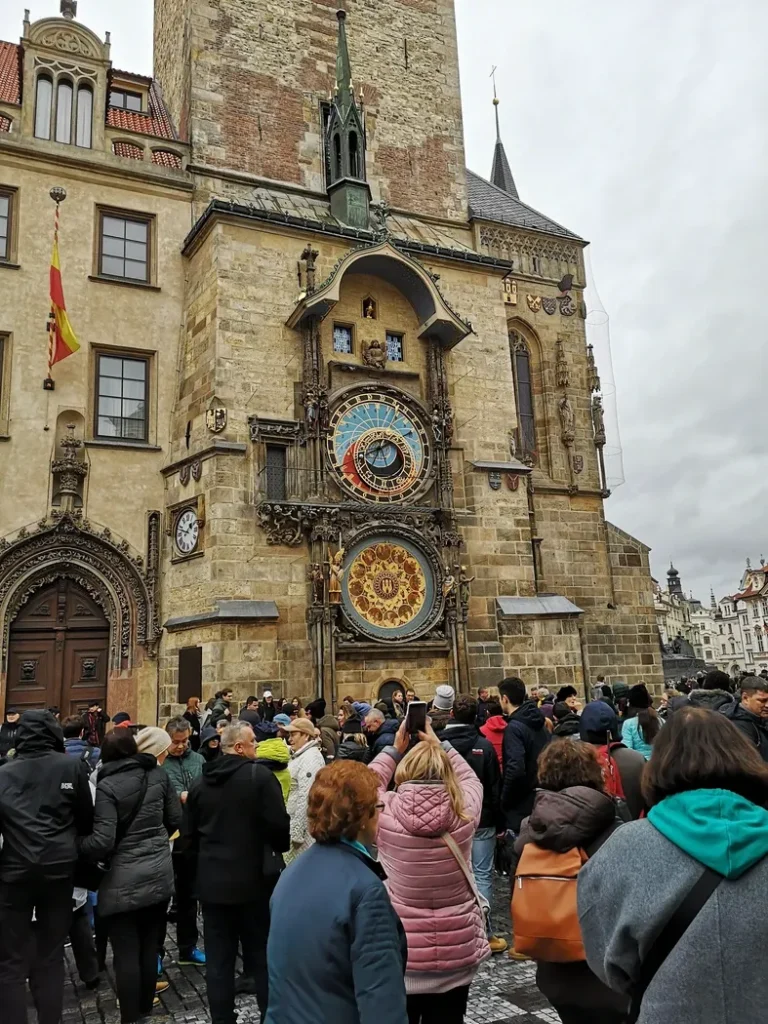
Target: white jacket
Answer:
[[303, 767]]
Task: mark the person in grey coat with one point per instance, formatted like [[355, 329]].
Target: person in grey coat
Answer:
[[134, 893], [707, 789]]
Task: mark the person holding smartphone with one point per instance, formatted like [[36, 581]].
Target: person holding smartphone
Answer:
[[424, 840]]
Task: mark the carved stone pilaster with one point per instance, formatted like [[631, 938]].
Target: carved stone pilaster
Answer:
[[442, 421]]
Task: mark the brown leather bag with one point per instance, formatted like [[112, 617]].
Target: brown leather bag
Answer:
[[545, 916]]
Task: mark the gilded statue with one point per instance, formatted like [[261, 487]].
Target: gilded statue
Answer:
[[335, 576]]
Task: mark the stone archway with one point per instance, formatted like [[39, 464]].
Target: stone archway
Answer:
[[113, 579]]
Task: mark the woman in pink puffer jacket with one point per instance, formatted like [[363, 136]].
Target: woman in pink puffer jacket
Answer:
[[437, 792]]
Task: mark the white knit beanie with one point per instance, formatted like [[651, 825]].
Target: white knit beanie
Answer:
[[153, 740]]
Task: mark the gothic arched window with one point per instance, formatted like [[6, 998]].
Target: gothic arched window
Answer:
[[43, 103], [64, 111], [521, 369], [84, 116]]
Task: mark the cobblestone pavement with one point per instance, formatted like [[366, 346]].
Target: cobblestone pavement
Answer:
[[504, 992]]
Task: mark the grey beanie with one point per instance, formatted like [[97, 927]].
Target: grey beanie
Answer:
[[445, 695]]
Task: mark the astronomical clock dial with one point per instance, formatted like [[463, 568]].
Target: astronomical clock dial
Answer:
[[388, 588], [379, 447], [187, 532]]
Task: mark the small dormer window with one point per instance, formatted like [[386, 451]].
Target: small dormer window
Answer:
[[124, 100]]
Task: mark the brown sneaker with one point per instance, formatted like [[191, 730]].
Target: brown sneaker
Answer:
[[161, 986], [517, 956], [497, 944]]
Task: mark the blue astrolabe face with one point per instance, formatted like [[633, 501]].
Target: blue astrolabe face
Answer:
[[378, 447]]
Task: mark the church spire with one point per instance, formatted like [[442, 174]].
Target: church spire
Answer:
[[347, 186], [344, 95], [501, 173]]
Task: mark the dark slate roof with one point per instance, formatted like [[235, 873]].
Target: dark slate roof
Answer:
[[501, 174], [487, 202]]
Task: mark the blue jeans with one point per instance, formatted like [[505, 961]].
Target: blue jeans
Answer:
[[483, 850]]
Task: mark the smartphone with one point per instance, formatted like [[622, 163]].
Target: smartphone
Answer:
[[416, 717]]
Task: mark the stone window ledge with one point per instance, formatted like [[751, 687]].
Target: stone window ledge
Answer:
[[146, 285], [142, 446], [7, 265]]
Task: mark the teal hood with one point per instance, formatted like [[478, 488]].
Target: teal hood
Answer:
[[716, 827]]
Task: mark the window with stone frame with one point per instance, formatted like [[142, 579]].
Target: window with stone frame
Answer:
[[343, 338], [395, 347], [125, 247], [276, 472], [6, 223], [122, 397], [523, 377]]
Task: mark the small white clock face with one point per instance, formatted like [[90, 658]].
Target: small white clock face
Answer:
[[187, 531]]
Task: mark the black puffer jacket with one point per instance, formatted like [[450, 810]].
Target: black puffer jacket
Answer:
[[583, 818], [711, 700], [141, 873], [385, 737], [349, 750], [479, 754], [8, 732], [524, 739], [753, 727], [45, 803]]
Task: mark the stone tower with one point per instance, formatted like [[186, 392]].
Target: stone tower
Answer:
[[250, 82]]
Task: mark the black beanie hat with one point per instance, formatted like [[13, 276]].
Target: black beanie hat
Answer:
[[638, 696], [565, 692]]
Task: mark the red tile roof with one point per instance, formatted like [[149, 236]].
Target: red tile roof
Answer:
[[128, 150], [156, 121], [163, 158], [10, 82]]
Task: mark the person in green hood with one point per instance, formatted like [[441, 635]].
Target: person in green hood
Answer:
[[707, 788], [273, 753]]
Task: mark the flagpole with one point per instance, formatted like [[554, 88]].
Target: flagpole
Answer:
[[58, 195]]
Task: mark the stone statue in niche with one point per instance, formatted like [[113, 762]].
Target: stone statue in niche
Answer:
[[567, 419], [375, 354], [335, 576], [464, 584], [369, 309], [317, 580], [598, 420]]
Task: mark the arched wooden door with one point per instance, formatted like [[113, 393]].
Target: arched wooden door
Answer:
[[58, 654]]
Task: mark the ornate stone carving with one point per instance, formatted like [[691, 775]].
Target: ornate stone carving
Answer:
[[494, 479], [28, 671], [549, 305], [506, 243], [267, 430], [316, 578], [88, 668], [567, 305], [561, 365], [593, 377], [534, 302], [68, 39], [509, 291], [69, 472], [184, 473], [578, 463], [196, 469], [108, 574], [335, 576], [375, 354]]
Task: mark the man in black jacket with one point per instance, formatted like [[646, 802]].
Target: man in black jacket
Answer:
[[380, 731], [751, 716], [8, 731], [45, 805], [524, 739], [237, 818], [464, 736]]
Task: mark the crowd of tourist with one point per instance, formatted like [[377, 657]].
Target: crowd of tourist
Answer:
[[633, 831]]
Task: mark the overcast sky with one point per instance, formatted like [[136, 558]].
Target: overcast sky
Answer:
[[643, 128]]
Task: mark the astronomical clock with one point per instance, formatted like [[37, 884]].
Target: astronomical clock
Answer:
[[380, 449]]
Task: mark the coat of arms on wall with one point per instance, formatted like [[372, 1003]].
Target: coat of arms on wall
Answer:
[[216, 419], [550, 305], [534, 302]]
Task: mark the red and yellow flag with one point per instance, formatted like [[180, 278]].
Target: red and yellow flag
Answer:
[[62, 341]]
